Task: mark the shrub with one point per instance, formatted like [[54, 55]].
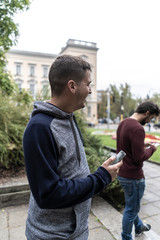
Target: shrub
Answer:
[[14, 115], [96, 155], [114, 194]]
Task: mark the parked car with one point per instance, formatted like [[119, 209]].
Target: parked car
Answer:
[[104, 120], [156, 125], [100, 120], [90, 124], [116, 120]]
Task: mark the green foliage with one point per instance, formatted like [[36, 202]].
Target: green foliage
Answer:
[[121, 102], [14, 116], [129, 103], [8, 37], [155, 98], [114, 194], [93, 147], [6, 85], [106, 140], [9, 29], [96, 155], [123, 97], [102, 105], [44, 94], [14, 104]]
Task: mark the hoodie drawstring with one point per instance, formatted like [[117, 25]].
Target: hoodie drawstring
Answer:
[[75, 137]]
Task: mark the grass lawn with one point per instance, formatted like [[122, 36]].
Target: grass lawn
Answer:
[[108, 141]]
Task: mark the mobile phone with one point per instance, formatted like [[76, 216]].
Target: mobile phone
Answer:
[[119, 156]]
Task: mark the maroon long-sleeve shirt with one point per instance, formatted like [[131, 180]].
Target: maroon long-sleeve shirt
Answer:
[[130, 138]]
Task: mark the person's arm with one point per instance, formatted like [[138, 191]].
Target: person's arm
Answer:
[[139, 153], [48, 189]]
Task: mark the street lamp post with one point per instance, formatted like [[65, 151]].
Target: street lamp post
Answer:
[[108, 107]]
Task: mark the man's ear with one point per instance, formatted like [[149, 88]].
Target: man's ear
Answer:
[[147, 113], [72, 86]]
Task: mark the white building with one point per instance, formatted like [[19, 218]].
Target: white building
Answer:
[[30, 70]]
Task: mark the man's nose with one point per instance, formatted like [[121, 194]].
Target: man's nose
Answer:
[[90, 91]]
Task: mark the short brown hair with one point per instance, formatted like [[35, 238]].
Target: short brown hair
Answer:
[[65, 68], [148, 106]]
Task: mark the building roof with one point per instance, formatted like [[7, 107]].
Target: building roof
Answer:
[[74, 43], [80, 44], [34, 54]]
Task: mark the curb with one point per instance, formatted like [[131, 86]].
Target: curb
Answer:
[[112, 220], [13, 194], [108, 216], [14, 199]]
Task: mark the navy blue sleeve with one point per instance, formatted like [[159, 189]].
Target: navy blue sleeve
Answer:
[[49, 190]]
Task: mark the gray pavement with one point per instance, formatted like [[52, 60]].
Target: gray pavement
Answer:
[[104, 220]]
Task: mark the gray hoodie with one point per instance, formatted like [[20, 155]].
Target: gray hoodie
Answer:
[[59, 177]]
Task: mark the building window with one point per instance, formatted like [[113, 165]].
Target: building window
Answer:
[[89, 111], [32, 70], [45, 90], [45, 71], [18, 69], [32, 88], [19, 86], [19, 83]]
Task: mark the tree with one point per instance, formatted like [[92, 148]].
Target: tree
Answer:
[[155, 97], [129, 103], [8, 37], [115, 105], [102, 105], [14, 104], [121, 101]]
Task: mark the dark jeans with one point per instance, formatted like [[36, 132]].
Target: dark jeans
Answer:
[[133, 190]]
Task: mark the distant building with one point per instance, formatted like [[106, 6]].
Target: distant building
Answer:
[[30, 70]]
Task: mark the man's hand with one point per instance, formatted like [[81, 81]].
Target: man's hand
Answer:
[[148, 145], [112, 169]]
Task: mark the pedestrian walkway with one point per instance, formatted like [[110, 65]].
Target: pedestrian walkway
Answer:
[[150, 210], [104, 220], [12, 225]]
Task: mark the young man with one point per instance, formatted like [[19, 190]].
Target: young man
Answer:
[[130, 139], [60, 181]]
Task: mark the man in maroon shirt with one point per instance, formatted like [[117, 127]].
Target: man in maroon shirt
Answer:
[[130, 139]]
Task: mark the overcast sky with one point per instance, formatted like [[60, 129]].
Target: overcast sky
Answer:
[[127, 33]]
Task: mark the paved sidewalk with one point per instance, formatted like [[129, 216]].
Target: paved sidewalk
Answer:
[[12, 225], [104, 220]]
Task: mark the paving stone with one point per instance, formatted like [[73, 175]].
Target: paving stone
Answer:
[[94, 221], [17, 233], [3, 220], [100, 234], [150, 197], [149, 209], [4, 235], [20, 220], [154, 222]]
